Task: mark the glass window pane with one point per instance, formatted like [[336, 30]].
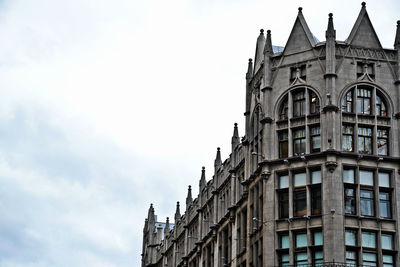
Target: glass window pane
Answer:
[[316, 177], [369, 240], [301, 240], [387, 241], [348, 176], [285, 257], [350, 238], [384, 180], [387, 258], [301, 256], [318, 239], [284, 241], [369, 259], [284, 181], [300, 179], [367, 177]]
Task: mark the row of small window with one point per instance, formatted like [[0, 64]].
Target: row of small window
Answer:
[[363, 103], [299, 104], [365, 140], [300, 248], [367, 193], [299, 141], [300, 194], [369, 248]]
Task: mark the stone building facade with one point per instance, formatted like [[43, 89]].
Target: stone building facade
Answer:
[[315, 180]]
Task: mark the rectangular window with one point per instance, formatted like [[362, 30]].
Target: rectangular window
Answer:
[[387, 241], [350, 201], [299, 104], [284, 204], [300, 179], [351, 258], [284, 181], [301, 240], [348, 176], [368, 240], [299, 142], [301, 259], [284, 260], [318, 258], [365, 140], [316, 177], [283, 144], [284, 241], [369, 259], [363, 101], [366, 177], [384, 179], [385, 205], [367, 202], [318, 238], [315, 139], [351, 238], [314, 103], [347, 140], [300, 202], [316, 205], [387, 260], [382, 142]]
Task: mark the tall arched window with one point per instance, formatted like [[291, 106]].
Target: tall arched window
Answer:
[[298, 128], [367, 131]]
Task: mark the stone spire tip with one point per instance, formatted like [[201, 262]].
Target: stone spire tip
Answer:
[[363, 4], [300, 9]]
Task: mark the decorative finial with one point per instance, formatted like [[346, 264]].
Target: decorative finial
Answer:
[[330, 15], [218, 149], [235, 124], [398, 22], [261, 31], [203, 168], [268, 31], [363, 4], [250, 60], [300, 9]]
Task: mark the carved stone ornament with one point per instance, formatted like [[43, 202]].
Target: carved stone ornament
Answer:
[[331, 165]]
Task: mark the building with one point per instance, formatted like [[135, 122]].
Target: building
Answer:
[[316, 179]]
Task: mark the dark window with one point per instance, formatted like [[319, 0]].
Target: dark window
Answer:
[[284, 260], [365, 140], [350, 201], [314, 103], [300, 201], [299, 142], [299, 104], [283, 110], [347, 103], [380, 107], [382, 142], [363, 101], [367, 202], [283, 144], [347, 138], [315, 139], [363, 67], [284, 204], [316, 200], [384, 205], [298, 71]]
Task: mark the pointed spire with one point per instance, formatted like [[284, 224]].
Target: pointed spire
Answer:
[[177, 213], [259, 51], [151, 216], [167, 227], [235, 138], [397, 38], [330, 32], [268, 44], [217, 161], [249, 73], [203, 182], [189, 199]]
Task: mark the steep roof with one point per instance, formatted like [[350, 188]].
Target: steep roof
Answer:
[[363, 33], [300, 37]]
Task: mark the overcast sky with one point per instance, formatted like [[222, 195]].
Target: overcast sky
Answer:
[[108, 106]]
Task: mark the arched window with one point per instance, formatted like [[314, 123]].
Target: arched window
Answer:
[[283, 110], [380, 107], [299, 104], [365, 135], [314, 103]]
